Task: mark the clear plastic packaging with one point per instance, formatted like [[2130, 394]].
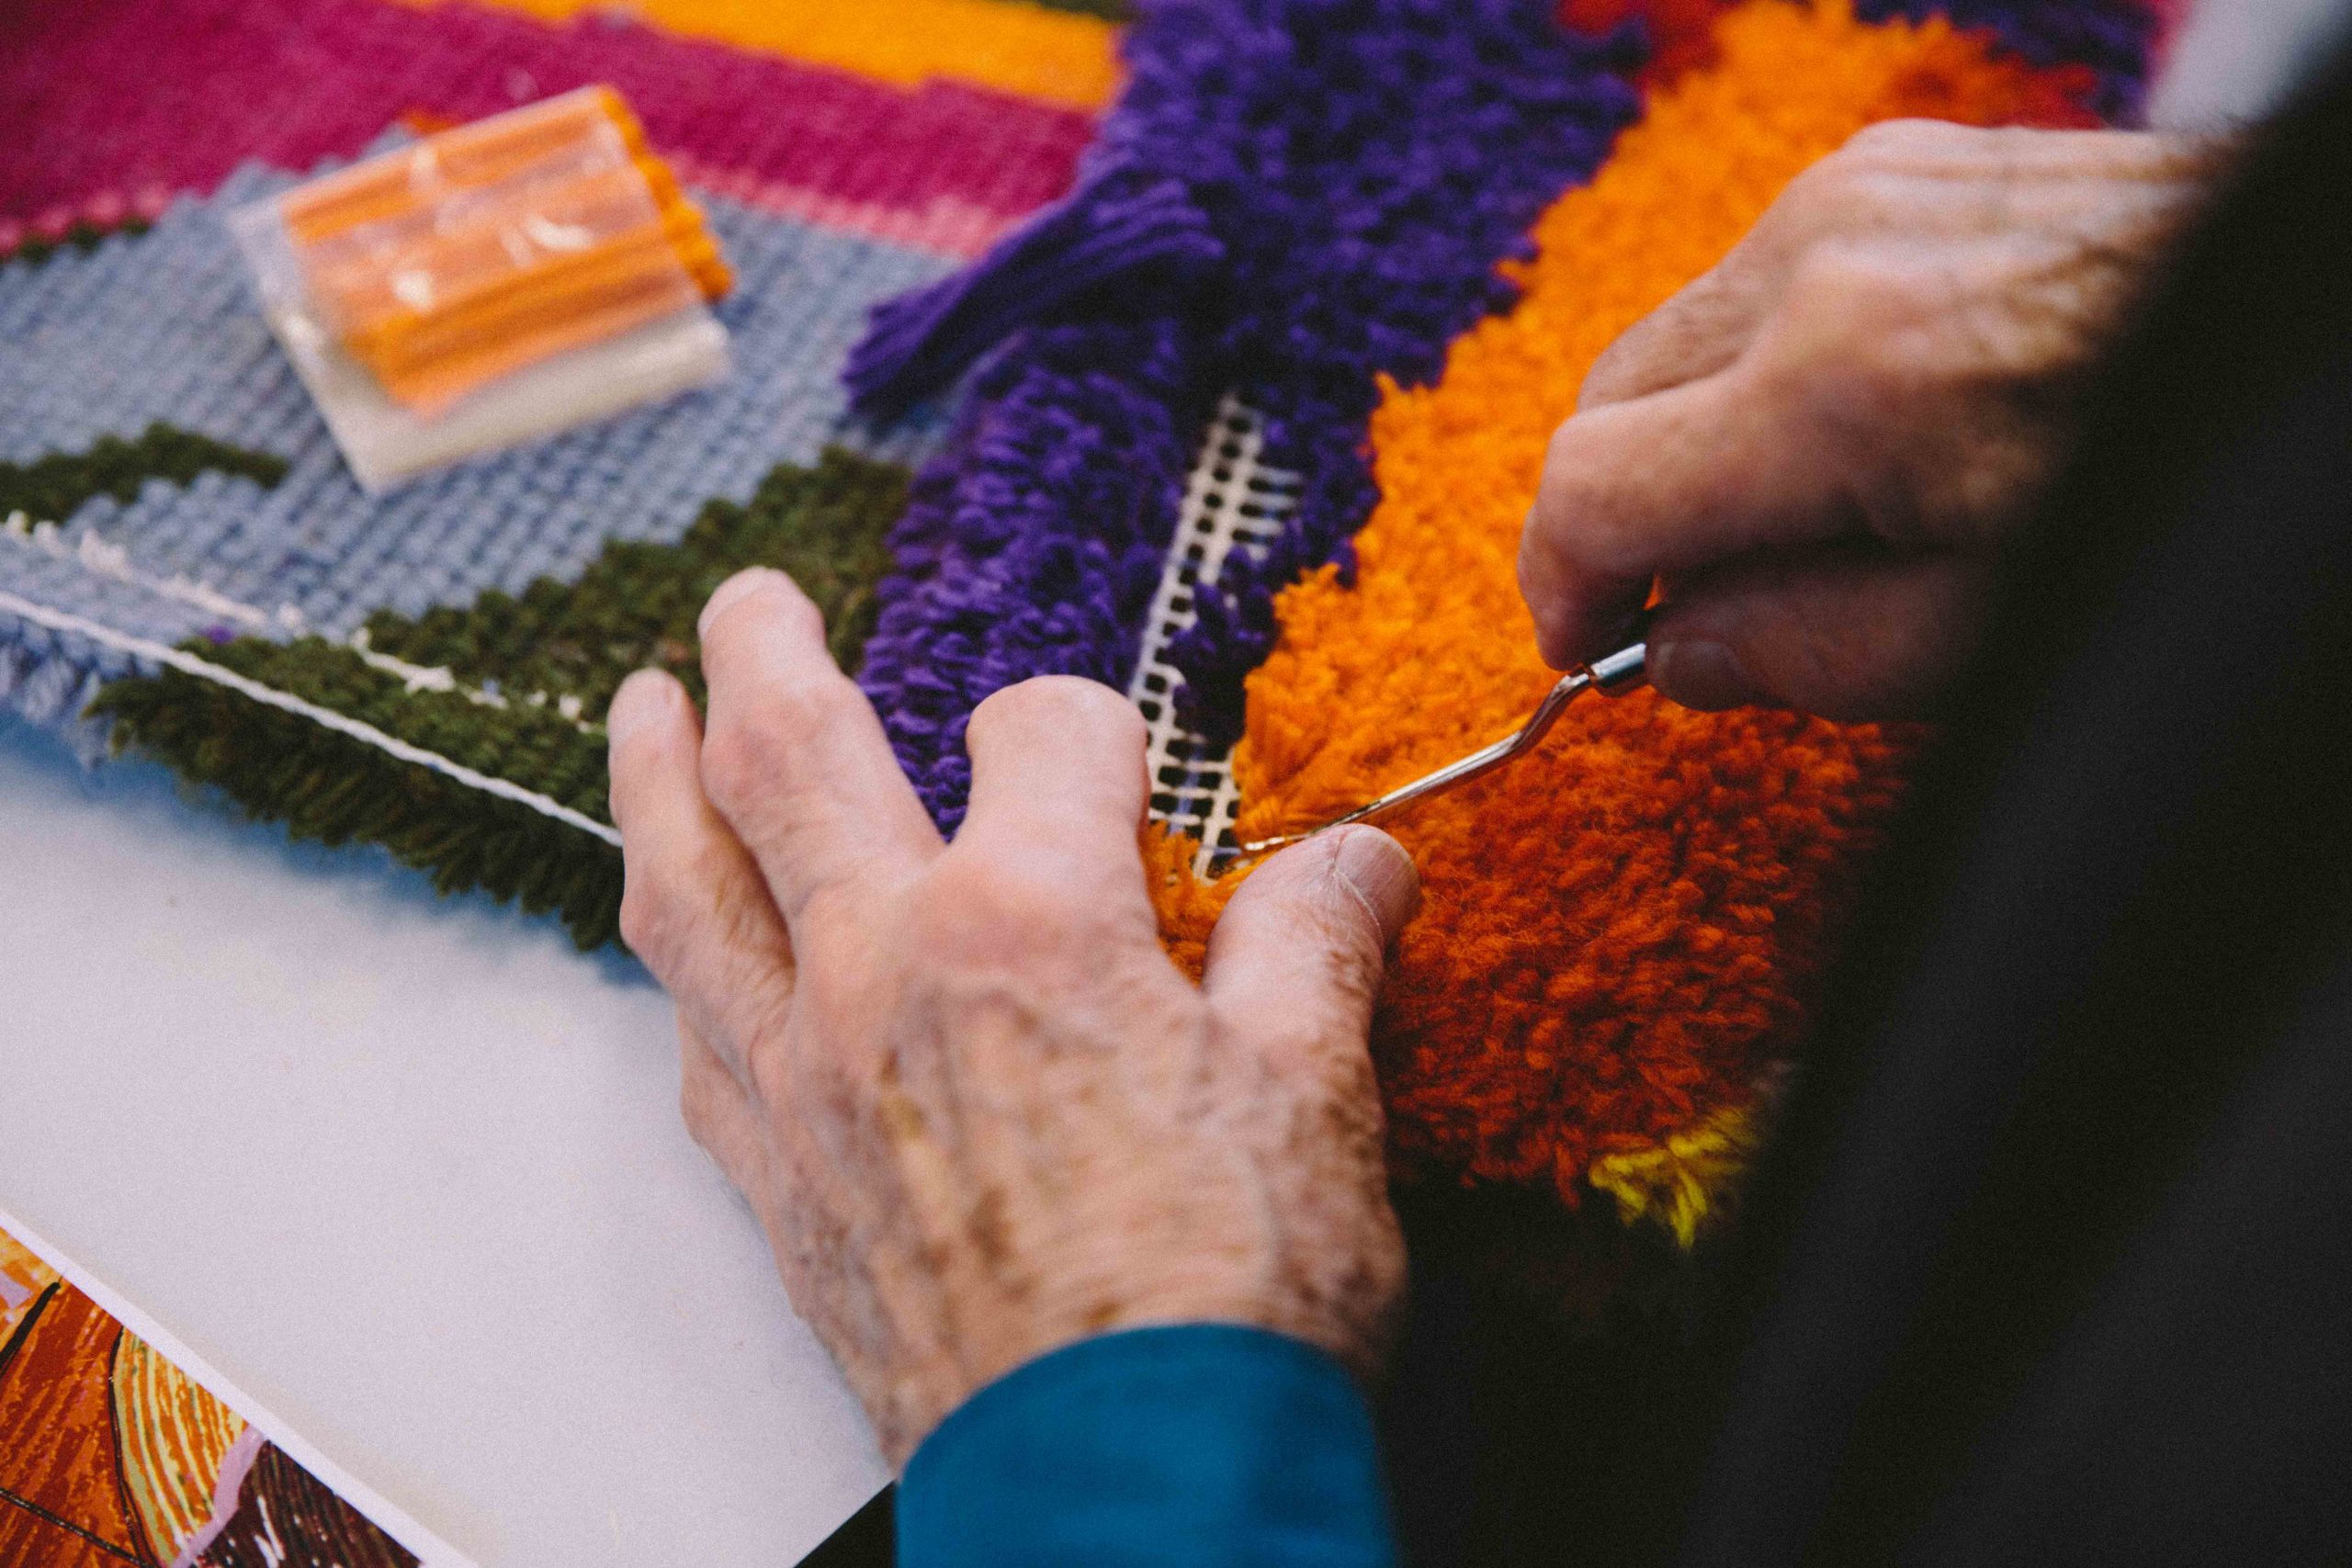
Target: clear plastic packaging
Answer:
[[489, 285]]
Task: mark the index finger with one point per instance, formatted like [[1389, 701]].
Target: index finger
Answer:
[[1671, 482], [796, 758]]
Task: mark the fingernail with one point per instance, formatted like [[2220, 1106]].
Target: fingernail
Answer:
[[729, 591], [1376, 866], [1700, 674], [642, 698]]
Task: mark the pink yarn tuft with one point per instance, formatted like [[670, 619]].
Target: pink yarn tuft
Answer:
[[292, 82]]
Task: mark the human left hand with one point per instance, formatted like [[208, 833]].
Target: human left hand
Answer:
[[978, 1110]]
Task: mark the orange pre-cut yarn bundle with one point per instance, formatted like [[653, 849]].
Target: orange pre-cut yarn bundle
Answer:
[[1619, 935], [489, 247]]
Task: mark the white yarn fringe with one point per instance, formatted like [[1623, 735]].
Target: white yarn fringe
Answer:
[[32, 694]]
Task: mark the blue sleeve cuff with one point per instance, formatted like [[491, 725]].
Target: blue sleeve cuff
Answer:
[[1154, 1448]]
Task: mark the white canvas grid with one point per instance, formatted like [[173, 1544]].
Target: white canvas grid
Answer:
[[1232, 500]]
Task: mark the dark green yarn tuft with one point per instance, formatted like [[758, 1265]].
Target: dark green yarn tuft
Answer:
[[83, 235], [51, 488], [327, 786], [635, 606]]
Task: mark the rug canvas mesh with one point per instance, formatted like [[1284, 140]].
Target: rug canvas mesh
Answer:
[[1232, 500]]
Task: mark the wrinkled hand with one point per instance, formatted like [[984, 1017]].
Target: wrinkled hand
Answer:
[[978, 1110], [1817, 447]]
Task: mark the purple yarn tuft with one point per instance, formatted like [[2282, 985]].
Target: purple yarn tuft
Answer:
[[1035, 547], [2113, 38], [1293, 198], [1112, 230]]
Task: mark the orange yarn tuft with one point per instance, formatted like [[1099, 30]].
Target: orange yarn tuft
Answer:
[[1621, 934], [1188, 907]]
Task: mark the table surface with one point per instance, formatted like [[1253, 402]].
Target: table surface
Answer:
[[407, 1170]]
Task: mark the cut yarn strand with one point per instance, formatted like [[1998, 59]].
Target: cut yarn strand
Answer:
[[1111, 228]]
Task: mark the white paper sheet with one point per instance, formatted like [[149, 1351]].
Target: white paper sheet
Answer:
[[409, 1172]]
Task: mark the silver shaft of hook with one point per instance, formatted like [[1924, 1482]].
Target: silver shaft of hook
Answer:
[[1613, 675]]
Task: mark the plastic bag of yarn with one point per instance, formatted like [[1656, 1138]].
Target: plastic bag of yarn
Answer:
[[489, 285]]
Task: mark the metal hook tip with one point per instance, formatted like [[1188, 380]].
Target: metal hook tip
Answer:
[[1267, 846]]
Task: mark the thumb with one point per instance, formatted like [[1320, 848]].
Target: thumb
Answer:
[[1844, 633], [1294, 964]]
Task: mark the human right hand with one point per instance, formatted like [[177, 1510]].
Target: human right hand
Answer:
[[1817, 447]]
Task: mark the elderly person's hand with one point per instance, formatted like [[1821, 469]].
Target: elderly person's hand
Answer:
[[1817, 447], [978, 1110]]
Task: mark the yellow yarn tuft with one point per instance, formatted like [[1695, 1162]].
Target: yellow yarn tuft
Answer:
[[1676, 1183]]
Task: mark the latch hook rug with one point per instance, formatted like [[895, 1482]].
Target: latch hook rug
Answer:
[[1002, 267]]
